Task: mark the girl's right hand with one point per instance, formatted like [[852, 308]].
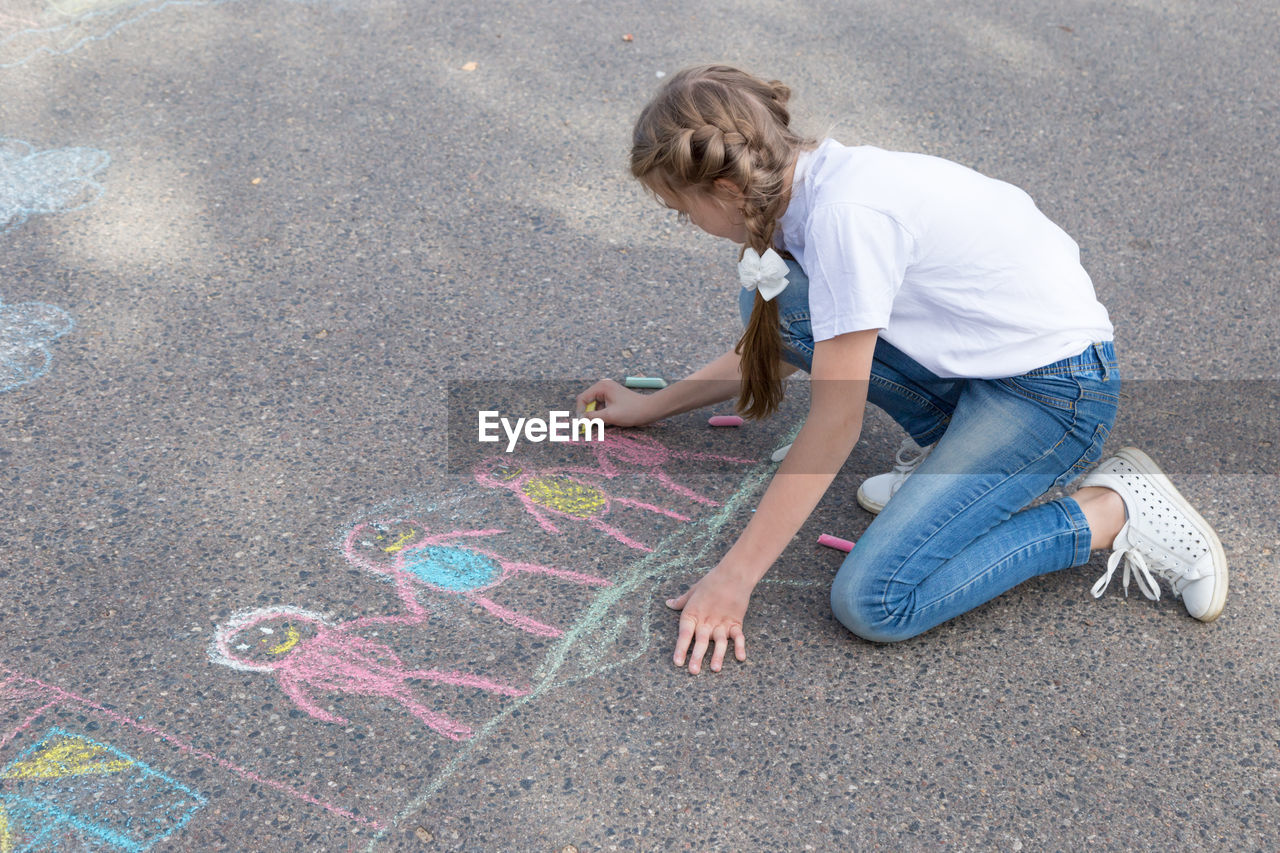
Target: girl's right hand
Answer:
[[617, 405]]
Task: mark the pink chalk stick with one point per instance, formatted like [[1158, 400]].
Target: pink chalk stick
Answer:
[[725, 420], [835, 542]]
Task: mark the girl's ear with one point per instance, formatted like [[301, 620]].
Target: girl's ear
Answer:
[[729, 191]]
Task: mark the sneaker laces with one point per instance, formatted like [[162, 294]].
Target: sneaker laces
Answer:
[[1134, 563], [909, 456]]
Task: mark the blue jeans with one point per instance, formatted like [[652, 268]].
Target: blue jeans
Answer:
[[958, 532]]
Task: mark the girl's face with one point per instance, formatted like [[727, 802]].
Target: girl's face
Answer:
[[715, 213]]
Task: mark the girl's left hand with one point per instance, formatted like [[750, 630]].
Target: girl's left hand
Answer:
[[622, 406], [711, 612]]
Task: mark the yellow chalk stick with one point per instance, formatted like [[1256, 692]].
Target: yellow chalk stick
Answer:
[[590, 407]]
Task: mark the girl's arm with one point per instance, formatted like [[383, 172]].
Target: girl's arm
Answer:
[[713, 609], [716, 382]]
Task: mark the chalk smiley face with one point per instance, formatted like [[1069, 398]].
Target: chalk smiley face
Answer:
[[502, 472], [383, 542], [260, 641]]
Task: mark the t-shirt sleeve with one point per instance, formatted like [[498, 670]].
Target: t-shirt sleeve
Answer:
[[856, 259]]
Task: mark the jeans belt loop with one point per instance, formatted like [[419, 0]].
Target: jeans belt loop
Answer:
[[1100, 354]]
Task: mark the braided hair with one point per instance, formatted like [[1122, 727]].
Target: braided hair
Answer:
[[716, 123]]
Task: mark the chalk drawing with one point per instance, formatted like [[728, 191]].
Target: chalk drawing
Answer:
[[36, 28], [403, 552], [67, 757], [558, 492], [56, 180], [9, 20], [307, 652], [26, 331], [69, 784], [29, 698], [637, 450], [61, 28], [13, 695], [578, 653]]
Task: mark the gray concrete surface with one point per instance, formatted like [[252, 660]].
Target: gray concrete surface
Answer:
[[245, 246]]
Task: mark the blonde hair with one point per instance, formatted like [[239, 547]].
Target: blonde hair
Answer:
[[711, 123]]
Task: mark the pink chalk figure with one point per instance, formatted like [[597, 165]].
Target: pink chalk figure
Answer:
[[650, 455], [558, 491], [307, 652], [404, 553]]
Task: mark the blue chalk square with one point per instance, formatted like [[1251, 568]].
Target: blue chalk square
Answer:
[[70, 789]]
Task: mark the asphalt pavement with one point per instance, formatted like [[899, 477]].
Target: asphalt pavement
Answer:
[[261, 587]]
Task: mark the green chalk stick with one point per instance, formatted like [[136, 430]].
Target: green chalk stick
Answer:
[[645, 382]]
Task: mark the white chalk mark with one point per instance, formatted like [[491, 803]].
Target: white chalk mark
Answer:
[[43, 182], [26, 331], [62, 36]]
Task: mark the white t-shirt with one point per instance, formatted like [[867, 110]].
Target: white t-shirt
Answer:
[[959, 271]]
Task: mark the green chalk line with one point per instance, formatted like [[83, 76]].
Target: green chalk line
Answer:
[[694, 541]]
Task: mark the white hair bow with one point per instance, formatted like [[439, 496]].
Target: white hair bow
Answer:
[[767, 273]]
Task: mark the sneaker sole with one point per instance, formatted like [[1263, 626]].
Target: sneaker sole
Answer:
[[873, 507], [1147, 466]]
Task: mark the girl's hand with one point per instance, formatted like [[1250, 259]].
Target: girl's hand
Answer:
[[617, 405], [711, 612]]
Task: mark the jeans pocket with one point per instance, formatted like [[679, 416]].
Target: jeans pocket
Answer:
[[797, 335], [1091, 455], [1056, 392]]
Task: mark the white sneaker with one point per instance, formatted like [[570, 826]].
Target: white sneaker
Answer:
[[1163, 536], [875, 491]]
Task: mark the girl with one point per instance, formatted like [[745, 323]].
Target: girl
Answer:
[[947, 299]]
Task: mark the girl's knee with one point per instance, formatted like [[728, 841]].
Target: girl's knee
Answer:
[[858, 603]]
